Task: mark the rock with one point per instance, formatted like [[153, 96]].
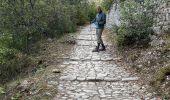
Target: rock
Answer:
[[90, 78], [48, 94], [149, 53], [130, 79], [149, 62], [56, 71], [116, 59], [50, 86], [71, 41], [25, 85], [161, 42], [107, 59], [168, 77], [157, 42], [68, 78], [140, 66], [81, 78], [52, 83], [101, 76], [157, 29], [49, 40], [153, 37], [168, 56]]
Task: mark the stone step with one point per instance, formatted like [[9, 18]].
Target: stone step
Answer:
[[93, 79]]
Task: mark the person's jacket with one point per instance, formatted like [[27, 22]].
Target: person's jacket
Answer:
[[100, 20]]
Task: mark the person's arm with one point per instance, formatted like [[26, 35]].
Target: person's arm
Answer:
[[94, 20], [103, 21]]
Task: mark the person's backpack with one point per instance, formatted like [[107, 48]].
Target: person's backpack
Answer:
[[104, 18]]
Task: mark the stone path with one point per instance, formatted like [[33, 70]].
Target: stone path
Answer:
[[94, 76]]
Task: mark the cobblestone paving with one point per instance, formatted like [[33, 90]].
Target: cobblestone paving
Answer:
[[95, 76]]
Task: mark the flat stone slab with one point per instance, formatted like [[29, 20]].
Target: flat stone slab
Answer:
[[93, 79], [68, 78], [112, 79], [130, 79]]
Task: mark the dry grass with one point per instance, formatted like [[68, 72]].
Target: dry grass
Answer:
[[162, 73]]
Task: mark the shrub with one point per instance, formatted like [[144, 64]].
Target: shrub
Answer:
[[24, 22], [6, 53], [27, 21], [106, 4], [115, 28], [91, 11], [85, 13], [136, 23]]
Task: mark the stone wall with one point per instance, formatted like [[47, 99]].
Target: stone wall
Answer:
[[162, 20], [113, 16]]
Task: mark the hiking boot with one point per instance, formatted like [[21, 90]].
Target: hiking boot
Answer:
[[96, 49], [103, 48]]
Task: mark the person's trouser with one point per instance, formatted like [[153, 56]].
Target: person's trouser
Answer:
[[99, 35]]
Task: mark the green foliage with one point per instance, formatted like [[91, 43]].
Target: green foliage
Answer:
[[2, 90], [122, 0], [24, 22], [6, 40], [6, 53], [107, 4], [28, 21], [136, 23], [91, 11], [85, 13], [81, 19], [115, 28], [16, 96]]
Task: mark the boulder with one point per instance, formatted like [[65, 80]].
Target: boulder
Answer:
[[56, 71]]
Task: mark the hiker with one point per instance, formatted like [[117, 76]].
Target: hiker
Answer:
[[99, 21]]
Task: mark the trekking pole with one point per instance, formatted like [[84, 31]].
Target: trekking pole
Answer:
[[91, 30], [90, 27], [90, 24]]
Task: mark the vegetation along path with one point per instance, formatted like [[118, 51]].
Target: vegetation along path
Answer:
[[95, 76]]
